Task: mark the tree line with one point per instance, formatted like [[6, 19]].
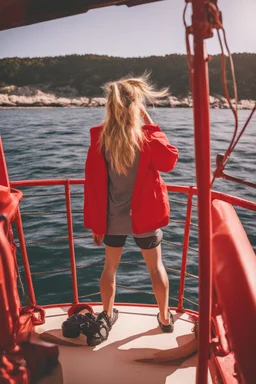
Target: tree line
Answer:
[[87, 73]]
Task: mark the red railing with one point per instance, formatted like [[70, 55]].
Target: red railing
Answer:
[[67, 183]]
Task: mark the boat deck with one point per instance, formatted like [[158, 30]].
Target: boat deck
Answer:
[[136, 351]]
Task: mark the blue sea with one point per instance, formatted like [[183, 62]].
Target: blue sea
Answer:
[[52, 144]]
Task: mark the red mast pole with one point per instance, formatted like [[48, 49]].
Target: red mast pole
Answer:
[[201, 30]]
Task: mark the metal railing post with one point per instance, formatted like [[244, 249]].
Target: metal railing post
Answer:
[[24, 255], [185, 250], [71, 242], [200, 91]]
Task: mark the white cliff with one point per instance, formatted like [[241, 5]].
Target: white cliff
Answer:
[[66, 96]]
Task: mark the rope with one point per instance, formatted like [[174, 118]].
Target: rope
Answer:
[[132, 262], [51, 194], [180, 202], [224, 159], [188, 56], [167, 268], [172, 243], [26, 297], [56, 239], [47, 212], [81, 193], [183, 222], [225, 87], [90, 294], [179, 245], [44, 194], [55, 271], [77, 211], [244, 127], [124, 287], [232, 67], [191, 301], [142, 291], [178, 271], [237, 180], [220, 159], [13, 245]]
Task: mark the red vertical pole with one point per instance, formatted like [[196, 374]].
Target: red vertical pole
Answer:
[[24, 255], [185, 250], [203, 173], [71, 243]]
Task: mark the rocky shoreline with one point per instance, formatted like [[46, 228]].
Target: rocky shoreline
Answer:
[[44, 96]]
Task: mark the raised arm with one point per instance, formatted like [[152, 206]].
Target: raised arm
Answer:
[[147, 119], [164, 155]]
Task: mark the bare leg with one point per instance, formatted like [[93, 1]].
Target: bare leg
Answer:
[[160, 282], [108, 278]]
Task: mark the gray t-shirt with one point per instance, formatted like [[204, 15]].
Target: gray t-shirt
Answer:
[[120, 189]]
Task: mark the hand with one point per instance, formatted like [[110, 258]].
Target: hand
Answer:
[[97, 239], [147, 119]]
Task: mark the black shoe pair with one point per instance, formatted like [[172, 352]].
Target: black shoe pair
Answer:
[[76, 324], [95, 328]]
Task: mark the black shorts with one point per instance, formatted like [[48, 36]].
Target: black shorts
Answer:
[[150, 242]]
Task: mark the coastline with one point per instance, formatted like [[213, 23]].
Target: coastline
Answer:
[[246, 105], [13, 97]]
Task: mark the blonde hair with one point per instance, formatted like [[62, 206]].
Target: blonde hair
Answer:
[[122, 135]]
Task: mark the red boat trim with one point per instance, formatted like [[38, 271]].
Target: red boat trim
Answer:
[[185, 250], [71, 242]]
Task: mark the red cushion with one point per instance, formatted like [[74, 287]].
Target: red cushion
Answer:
[[234, 277]]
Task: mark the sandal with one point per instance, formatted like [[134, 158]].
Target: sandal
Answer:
[[166, 328], [99, 331], [109, 321], [75, 324]]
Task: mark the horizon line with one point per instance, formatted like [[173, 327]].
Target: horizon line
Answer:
[[117, 57]]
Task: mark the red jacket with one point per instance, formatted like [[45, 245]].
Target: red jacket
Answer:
[[150, 205]]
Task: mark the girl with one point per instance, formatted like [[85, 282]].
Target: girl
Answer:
[[124, 193]]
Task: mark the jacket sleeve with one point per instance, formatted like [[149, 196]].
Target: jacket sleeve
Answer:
[[87, 160], [164, 156]]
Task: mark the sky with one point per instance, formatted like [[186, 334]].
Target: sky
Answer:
[[153, 29]]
